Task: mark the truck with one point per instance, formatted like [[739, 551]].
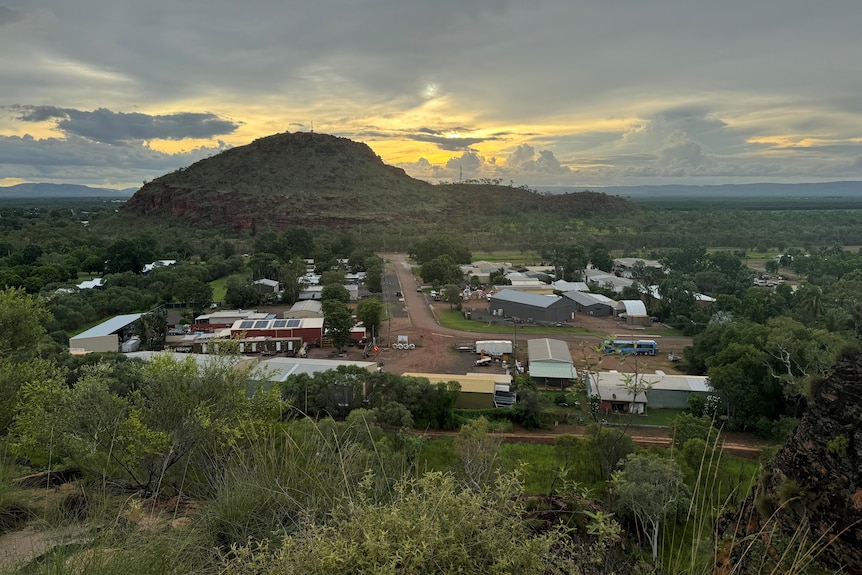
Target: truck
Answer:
[[494, 347]]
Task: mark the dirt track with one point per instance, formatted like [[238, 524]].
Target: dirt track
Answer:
[[434, 342]]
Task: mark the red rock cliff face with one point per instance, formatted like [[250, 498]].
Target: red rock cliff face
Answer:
[[812, 492]]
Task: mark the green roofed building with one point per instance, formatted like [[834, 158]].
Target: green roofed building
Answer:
[[550, 362]]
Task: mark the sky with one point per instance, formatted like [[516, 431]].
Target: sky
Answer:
[[580, 93]]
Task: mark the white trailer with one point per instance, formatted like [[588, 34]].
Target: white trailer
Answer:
[[494, 347]]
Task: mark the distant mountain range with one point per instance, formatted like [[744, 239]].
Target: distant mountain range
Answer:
[[57, 191], [849, 189]]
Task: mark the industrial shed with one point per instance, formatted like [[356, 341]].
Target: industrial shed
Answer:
[[594, 304], [666, 391], [307, 308], [550, 362], [633, 311], [278, 369], [532, 307], [309, 329], [107, 336]]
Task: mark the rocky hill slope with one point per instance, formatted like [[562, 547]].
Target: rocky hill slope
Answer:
[[811, 494], [317, 179]]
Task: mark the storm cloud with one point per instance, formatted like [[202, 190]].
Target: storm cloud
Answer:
[[557, 92]]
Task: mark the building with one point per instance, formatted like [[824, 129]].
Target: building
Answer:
[[95, 283], [314, 292], [607, 281], [217, 320], [633, 311], [478, 390], [547, 309], [309, 330], [623, 266], [306, 308], [265, 286], [157, 264], [550, 362], [482, 270], [108, 336], [665, 391], [564, 286], [278, 369], [594, 304]]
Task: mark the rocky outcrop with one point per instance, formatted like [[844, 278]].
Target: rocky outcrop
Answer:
[[808, 501]]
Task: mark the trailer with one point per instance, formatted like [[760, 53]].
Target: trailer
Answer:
[[494, 347]]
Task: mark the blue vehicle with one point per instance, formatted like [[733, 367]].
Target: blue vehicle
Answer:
[[629, 347]]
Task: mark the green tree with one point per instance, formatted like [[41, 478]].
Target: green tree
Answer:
[[601, 259], [22, 319], [197, 294], [478, 451], [338, 321], [239, 293], [452, 295], [687, 426], [369, 311], [336, 292], [129, 255], [428, 525], [652, 489], [438, 245], [441, 269]]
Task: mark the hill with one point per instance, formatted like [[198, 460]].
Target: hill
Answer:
[[322, 180]]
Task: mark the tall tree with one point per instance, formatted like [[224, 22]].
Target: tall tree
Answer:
[[652, 488]]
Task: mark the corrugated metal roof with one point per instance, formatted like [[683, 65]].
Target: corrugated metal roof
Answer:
[[470, 383], [110, 326], [659, 381], [588, 299], [514, 296], [553, 370], [279, 368], [546, 349]]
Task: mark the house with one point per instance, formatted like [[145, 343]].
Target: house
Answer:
[[157, 264], [665, 391], [623, 266], [95, 283], [548, 309], [478, 390], [482, 270], [107, 336], [550, 362], [265, 286], [314, 292], [592, 303], [606, 280]]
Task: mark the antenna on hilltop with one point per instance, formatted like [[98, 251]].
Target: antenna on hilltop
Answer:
[[312, 126]]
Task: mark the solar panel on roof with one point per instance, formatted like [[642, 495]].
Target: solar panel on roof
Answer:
[[293, 322], [246, 325], [279, 323], [263, 324]]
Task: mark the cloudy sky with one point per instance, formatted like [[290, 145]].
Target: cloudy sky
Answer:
[[548, 92]]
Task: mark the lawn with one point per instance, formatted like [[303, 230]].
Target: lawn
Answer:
[[219, 288], [456, 320]]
